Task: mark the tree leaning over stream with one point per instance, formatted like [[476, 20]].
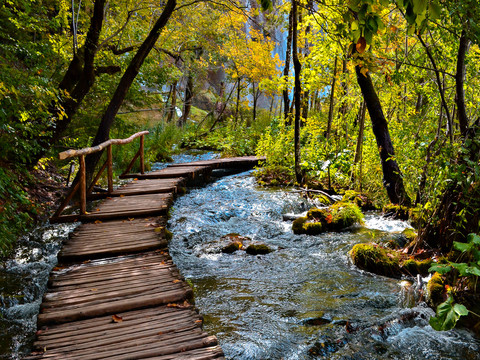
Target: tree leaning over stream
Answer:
[[128, 77]]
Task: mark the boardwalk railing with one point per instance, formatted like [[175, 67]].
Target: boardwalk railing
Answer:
[[81, 185]]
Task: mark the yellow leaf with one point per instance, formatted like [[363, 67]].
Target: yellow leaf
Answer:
[[116, 319]]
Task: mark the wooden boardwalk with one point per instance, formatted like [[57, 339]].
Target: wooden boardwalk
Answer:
[[116, 293]]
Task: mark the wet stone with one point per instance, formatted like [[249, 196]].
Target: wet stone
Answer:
[[258, 249]]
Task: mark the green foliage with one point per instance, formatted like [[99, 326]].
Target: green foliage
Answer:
[[448, 313], [16, 209], [470, 251]]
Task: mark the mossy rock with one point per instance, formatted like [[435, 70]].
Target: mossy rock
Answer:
[[314, 228], [337, 217], [258, 249], [297, 225], [344, 214], [435, 288], [232, 247], [318, 214], [373, 258], [304, 225], [414, 267]]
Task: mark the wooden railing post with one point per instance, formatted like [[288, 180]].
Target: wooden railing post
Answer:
[[83, 186], [142, 156], [110, 169]]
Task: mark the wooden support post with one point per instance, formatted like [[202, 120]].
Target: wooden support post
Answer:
[[142, 156], [83, 186], [110, 169], [94, 182]]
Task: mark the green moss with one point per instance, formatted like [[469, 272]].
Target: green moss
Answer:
[[409, 234], [345, 214], [336, 217], [258, 249], [435, 289], [314, 228], [414, 267], [372, 258], [318, 214], [397, 211], [297, 225], [168, 235]]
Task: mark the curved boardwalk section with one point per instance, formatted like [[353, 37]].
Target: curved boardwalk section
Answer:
[[116, 293]]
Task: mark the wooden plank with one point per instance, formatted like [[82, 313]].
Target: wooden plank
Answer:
[[111, 238], [188, 172], [112, 307], [225, 163]]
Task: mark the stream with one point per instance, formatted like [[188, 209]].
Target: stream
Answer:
[[304, 300]]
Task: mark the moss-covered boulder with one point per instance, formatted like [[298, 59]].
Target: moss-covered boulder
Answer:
[[258, 249], [375, 259], [388, 262], [337, 217]]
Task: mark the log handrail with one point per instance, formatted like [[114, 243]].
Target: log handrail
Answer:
[[90, 150], [81, 186]]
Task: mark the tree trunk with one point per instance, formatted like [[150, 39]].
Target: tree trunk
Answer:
[[187, 103], [286, 70], [77, 82], [392, 178], [459, 80], [173, 103], [359, 147], [298, 68], [126, 81], [332, 98]]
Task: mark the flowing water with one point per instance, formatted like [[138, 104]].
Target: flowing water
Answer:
[[23, 280], [305, 300]]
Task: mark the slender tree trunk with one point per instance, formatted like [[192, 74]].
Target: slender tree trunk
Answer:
[[126, 81], [332, 98], [459, 80], [359, 147], [298, 68], [392, 178], [255, 92], [286, 70], [238, 99], [173, 103], [187, 103]]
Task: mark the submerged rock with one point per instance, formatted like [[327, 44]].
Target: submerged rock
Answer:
[[258, 249], [232, 247], [316, 321]]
